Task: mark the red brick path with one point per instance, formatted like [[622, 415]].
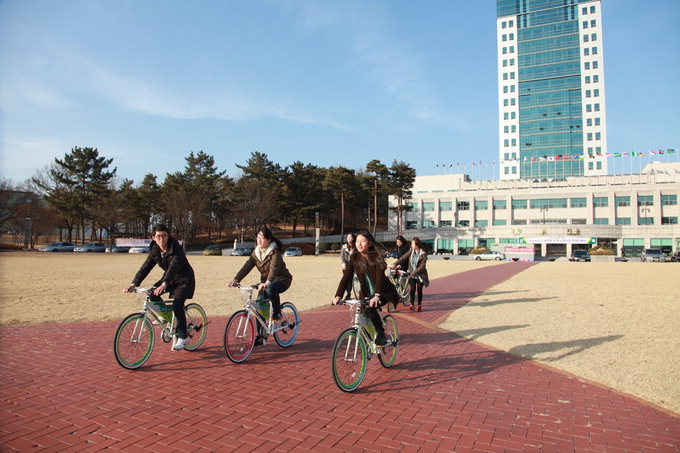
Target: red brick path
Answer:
[[62, 390]]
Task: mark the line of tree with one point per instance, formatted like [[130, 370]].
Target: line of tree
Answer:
[[83, 195]]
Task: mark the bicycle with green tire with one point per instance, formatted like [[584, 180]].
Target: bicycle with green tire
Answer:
[[355, 346], [135, 336]]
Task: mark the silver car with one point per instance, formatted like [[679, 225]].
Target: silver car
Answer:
[[58, 247], [652, 255], [490, 255]]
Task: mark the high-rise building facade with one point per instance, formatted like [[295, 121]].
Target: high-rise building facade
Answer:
[[552, 121]]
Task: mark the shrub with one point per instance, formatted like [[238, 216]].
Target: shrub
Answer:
[[601, 250], [479, 249]]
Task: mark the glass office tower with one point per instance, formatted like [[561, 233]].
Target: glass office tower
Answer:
[[551, 89]]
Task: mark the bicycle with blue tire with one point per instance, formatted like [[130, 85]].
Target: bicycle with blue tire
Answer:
[[252, 325]]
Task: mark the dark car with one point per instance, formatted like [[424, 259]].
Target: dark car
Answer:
[[118, 249], [241, 251], [213, 250], [675, 257], [392, 254], [90, 247], [580, 255]]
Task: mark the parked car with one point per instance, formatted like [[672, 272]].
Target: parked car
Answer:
[[490, 255], [139, 249], [91, 247], [580, 255], [652, 255], [58, 247], [118, 249], [393, 254], [675, 257], [241, 251], [293, 251], [213, 250]]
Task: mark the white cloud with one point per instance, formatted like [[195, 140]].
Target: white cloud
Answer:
[[391, 62]]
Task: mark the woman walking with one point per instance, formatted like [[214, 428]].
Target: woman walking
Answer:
[[415, 260]]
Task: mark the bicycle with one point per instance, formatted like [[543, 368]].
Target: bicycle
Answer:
[[399, 279], [356, 345], [135, 337], [252, 326]]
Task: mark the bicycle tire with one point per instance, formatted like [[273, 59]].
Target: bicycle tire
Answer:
[[388, 353], [239, 336], [133, 341], [286, 337], [348, 360], [197, 326]]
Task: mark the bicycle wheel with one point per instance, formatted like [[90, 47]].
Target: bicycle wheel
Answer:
[[348, 360], [388, 353], [197, 326], [285, 337], [239, 336], [133, 342]]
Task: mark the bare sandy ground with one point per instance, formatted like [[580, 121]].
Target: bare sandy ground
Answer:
[[613, 323]]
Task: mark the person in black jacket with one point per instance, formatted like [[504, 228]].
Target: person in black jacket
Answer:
[[402, 246], [178, 278]]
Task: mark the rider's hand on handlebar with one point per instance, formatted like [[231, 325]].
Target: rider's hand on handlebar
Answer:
[[129, 288], [232, 284], [160, 290], [375, 301], [335, 300]]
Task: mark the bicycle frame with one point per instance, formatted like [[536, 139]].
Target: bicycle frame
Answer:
[[360, 323], [400, 280], [251, 306]]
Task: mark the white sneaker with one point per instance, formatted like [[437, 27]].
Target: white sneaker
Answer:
[[179, 343]]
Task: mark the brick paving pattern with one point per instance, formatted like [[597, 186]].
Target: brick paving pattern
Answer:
[[62, 390]]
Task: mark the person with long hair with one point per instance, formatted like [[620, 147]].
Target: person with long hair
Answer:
[[401, 246], [346, 252], [415, 260], [369, 268], [178, 278], [274, 276]]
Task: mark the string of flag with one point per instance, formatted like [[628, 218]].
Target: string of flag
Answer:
[[557, 157]]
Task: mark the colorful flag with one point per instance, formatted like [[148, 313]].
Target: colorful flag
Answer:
[[670, 151]]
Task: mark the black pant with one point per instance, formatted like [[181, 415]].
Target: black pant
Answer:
[[416, 284], [374, 314]]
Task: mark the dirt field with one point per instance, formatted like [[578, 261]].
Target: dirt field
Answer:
[[612, 323]]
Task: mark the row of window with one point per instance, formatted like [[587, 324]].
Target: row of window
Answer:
[[584, 10], [592, 23], [591, 65], [412, 225], [595, 79], [592, 37], [548, 203], [589, 51], [508, 37]]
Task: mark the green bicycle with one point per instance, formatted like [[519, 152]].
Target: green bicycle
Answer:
[[355, 346], [135, 337]]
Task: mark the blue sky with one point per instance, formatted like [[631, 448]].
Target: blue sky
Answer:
[[328, 82]]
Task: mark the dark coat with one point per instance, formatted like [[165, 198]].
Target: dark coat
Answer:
[[402, 250], [375, 273], [179, 275], [272, 268], [420, 271]]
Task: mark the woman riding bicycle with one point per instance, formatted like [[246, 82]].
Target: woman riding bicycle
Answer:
[[369, 267], [274, 276], [178, 278]]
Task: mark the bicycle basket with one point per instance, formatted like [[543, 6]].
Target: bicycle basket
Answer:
[[163, 308], [262, 305]]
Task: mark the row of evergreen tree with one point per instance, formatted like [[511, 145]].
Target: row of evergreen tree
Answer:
[[84, 194]]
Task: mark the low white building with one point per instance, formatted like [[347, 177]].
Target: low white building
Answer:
[[452, 214]]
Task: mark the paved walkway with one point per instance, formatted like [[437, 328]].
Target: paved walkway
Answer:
[[62, 390]]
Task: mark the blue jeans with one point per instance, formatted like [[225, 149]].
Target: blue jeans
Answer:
[[273, 290]]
